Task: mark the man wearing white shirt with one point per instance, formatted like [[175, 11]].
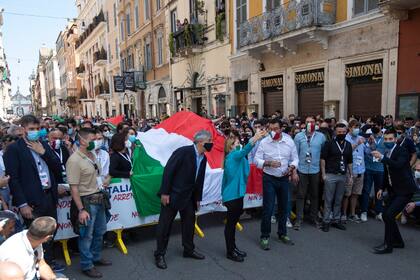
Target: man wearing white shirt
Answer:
[[102, 155], [278, 158], [25, 249]]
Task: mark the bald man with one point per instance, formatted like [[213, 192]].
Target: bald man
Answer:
[[10, 271]]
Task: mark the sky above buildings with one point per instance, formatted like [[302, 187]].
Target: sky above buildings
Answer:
[[23, 35]]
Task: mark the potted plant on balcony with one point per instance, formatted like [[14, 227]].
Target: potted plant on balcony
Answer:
[[172, 44]]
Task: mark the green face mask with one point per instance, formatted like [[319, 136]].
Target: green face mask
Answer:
[[91, 146]]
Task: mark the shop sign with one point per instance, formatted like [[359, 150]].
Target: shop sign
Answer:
[[269, 82], [364, 70], [119, 84], [310, 77]]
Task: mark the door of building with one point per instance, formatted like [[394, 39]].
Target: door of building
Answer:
[[273, 101], [364, 99], [241, 102], [311, 101]]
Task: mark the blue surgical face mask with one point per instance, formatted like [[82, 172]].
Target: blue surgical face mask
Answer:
[[43, 132], [389, 145], [33, 135], [355, 132], [70, 131], [132, 138]]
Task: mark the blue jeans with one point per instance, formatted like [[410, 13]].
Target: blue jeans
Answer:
[[91, 235], [371, 178], [272, 187]]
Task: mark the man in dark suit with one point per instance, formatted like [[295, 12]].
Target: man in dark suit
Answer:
[[31, 166], [400, 186], [181, 191], [56, 144]]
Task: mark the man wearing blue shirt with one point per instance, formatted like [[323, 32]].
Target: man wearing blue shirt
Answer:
[[374, 172], [308, 144], [354, 190]]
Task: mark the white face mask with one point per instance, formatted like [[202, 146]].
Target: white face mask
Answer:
[[98, 144], [417, 174], [57, 143], [128, 144]]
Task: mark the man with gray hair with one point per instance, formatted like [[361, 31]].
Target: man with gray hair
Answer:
[[181, 191], [16, 130], [25, 249]]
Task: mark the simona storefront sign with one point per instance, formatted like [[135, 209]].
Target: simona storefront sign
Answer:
[[271, 82], [365, 69], [315, 76]]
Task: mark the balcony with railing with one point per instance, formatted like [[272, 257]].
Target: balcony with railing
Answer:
[[290, 20], [188, 38], [98, 20], [102, 89], [72, 101], [100, 57]]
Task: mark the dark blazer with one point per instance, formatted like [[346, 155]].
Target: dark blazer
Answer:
[[66, 154], [398, 166], [178, 180], [25, 184], [119, 167]]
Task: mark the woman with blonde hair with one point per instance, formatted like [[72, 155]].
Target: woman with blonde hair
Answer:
[[235, 177]]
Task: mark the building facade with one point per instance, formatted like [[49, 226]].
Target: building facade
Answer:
[[408, 84], [144, 51], [45, 94], [200, 47], [66, 57], [21, 104], [91, 58], [313, 57], [113, 65], [5, 84]]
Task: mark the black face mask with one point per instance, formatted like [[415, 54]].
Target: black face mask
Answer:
[[208, 146], [340, 137]]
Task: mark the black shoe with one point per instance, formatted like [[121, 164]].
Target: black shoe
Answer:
[[394, 245], [102, 262], [383, 250], [239, 252], [92, 273], [194, 255], [160, 262], [325, 227], [379, 246], [339, 226], [234, 256]]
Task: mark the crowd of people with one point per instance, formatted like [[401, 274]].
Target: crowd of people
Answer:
[[330, 173]]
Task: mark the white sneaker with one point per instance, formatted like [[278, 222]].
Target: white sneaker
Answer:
[[288, 223], [273, 219], [343, 219], [403, 219], [379, 217], [363, 217]]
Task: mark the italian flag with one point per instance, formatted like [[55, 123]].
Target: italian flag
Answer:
[[157, 145]]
